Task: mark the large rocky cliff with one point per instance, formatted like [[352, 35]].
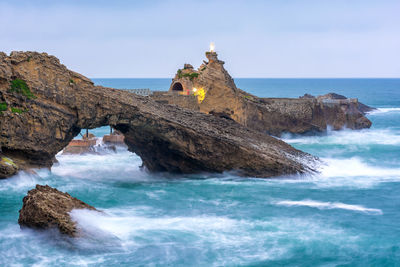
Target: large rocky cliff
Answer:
[[44, 105], [271, 115]]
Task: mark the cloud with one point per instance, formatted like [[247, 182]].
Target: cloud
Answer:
[[255, 38]]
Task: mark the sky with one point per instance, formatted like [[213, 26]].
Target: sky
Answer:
[[148, 39]]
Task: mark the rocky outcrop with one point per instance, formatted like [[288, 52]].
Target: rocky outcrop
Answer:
[[271, 115], [45, 207], [46, 105], [7, 167]]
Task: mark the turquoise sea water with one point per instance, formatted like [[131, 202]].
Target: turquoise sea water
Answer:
[[347, 215]]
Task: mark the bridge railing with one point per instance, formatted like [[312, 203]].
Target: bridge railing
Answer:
[[140, 91]]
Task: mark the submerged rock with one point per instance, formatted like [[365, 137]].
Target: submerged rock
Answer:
[[45, 207], [47, 105]]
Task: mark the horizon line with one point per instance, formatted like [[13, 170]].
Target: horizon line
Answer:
[[254, 77]]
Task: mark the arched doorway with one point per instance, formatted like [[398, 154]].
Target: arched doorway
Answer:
[[177, 87]]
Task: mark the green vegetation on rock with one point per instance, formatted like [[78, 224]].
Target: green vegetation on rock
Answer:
[[3, 106], [71, 81], [17, 110], [191, 76], [19, 86]]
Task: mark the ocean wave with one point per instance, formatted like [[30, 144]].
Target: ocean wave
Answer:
[[330, 205], [349, 137], [233, 239], [123, 224], [21, 181], [121, 165], [355, 167], [384, 110]]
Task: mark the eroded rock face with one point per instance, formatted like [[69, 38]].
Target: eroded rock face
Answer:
[[37, 125], [7, 167], [271, 115], [45, 207]]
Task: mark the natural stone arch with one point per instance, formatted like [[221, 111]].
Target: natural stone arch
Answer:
[[177, 87], [166, 137]]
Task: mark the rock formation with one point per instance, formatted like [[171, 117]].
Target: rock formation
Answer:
[[270, 115], [45, 207], [44, 105], [7, 167]]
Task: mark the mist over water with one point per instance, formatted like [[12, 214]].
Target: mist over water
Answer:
[[347, 214]]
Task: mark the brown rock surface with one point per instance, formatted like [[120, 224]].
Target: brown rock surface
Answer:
[[167, 138], [7, 167], [45, 207], [270, 115]]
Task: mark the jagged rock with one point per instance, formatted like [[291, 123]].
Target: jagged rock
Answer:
[[307, 96], [359, 106], [331, 96], [7, 167], [59, 103], [45, 207], [364, 108], [271, 115]]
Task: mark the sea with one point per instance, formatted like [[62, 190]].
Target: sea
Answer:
[[348, 214]]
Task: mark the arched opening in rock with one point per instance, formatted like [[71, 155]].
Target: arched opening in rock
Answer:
[[100, 155], [100, 140], [177, 87]]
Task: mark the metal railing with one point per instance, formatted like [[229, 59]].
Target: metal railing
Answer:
[[141, 91]]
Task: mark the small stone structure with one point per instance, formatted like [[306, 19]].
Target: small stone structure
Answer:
[[77, 146], [186, 80], [115, 138], [183, 80]]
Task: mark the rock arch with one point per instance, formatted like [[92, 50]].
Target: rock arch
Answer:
[[166, 137], [177, 87]]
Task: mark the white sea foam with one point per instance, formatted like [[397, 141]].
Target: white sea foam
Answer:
[[353, 173], [124, 224], [21, 181], [121, 165], [329, 205], [384, 110], [355, 167], [349, 137], [233, 240]]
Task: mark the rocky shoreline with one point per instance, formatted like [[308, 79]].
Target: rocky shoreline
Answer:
[[216, 129], [47, 105], [220, 96]]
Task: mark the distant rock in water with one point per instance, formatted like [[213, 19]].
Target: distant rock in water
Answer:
[[360, 107], [45, 105], [217, 94], [45, 207]]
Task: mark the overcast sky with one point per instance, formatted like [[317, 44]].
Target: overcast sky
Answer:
[[282, 38]]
